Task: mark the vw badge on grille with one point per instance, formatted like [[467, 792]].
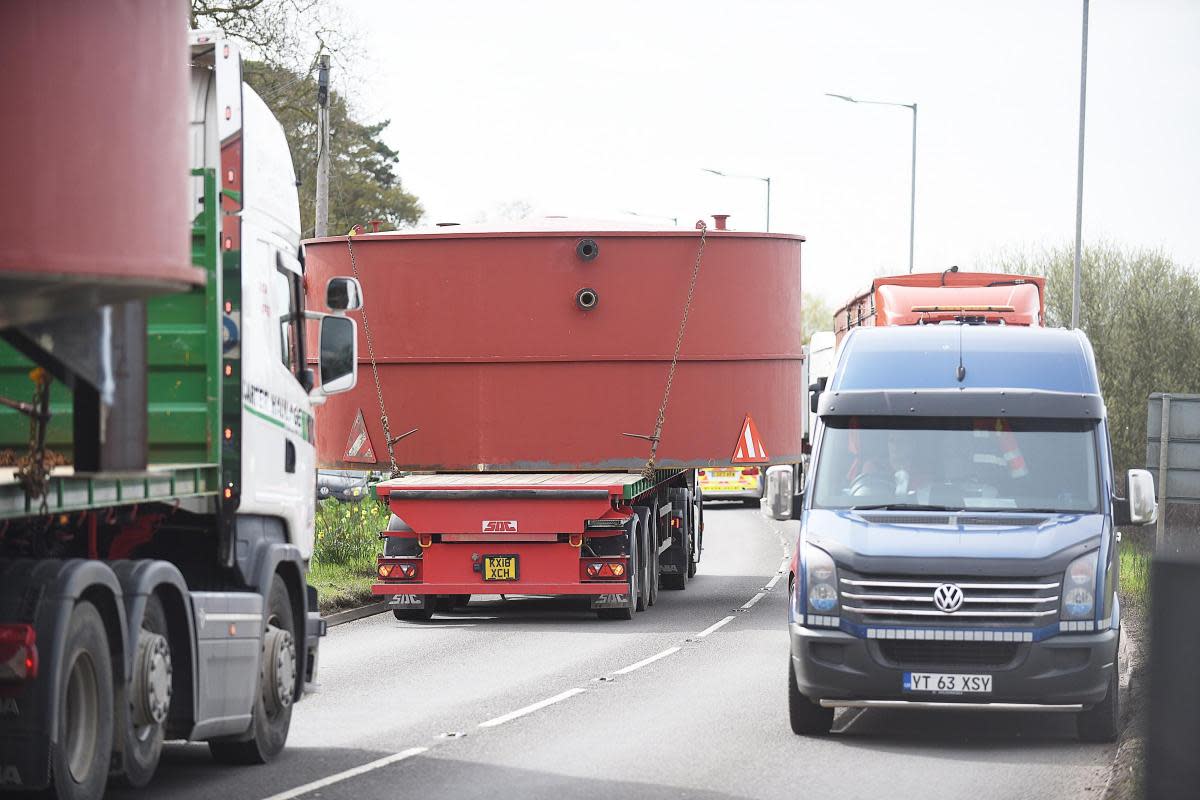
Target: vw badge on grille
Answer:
[[948, 597]]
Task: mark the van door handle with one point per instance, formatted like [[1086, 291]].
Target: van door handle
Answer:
[[289, 456]]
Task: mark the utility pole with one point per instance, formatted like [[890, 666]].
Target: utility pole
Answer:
[[1079, 179], [322, 224]]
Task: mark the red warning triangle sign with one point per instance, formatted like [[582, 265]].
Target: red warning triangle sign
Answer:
[[749, 448], [358, 446]]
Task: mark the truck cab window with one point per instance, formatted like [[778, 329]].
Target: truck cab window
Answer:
[[286, 291]]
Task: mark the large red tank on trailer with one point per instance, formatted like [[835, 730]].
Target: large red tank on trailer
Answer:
[[489, 344], [93, 155]]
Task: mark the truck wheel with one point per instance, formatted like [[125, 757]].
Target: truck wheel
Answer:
[[461, 600], [149, 697], [643, 572], [697, 543], [79, 764], [1101, 722], [807, 718], [653, 556], [276, 688], [626, 612], [680, 552]]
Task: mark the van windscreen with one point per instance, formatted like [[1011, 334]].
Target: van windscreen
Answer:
[[958, 463]]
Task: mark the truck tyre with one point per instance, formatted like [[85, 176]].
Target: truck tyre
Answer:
[[626, 612], [79, 763], [272, 714], [807, 718], [150, 693], [680, 552], [1102, 722], [697, 536], [643, 572], [654, 557]]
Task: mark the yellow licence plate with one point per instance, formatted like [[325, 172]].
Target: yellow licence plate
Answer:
[[500, 568]]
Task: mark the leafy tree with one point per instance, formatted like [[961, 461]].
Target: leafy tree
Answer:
[[1141, 311], [815, 315]]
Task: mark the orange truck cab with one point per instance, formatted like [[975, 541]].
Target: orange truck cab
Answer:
[[932, 297]]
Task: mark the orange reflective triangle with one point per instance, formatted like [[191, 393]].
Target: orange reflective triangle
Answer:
[[358, 446], [749, 448]]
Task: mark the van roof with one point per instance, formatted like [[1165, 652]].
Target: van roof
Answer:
[[993, 357]]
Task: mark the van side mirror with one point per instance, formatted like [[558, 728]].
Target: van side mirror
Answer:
[[343, 294], [778, 493], [814, 393], [1143, 507], [338, 362]]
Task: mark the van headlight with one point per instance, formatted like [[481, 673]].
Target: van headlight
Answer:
[[820, 586], [1079, 588]]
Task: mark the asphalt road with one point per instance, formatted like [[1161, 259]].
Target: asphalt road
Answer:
[[538, 699]]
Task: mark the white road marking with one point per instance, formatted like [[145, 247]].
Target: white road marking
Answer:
[[669, 651], [771, 583], [520, 712], [350, 773], [713, 627], [750, 603]]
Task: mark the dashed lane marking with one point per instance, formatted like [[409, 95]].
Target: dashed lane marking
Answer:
[[520, 712], [632, 667], [350, 773], [750, 603], [716, 625]]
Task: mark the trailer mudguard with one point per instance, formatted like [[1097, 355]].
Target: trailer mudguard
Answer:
[[44, 593]]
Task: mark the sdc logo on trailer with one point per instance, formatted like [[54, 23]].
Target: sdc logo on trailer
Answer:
[[499, 526]]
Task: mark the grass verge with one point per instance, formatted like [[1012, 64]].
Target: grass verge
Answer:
[[346, 544]]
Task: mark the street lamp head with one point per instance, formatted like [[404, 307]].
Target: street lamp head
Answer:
[[841, 97], [713, 171]]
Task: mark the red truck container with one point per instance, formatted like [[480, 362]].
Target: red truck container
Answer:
[[932, 297], [528, 369]]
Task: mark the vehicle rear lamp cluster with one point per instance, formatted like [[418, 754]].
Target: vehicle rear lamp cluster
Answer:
[[602, 569], [18, 653], [399, 570]]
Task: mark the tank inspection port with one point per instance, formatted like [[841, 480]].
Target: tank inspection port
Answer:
[[587, 299], [587, 249]]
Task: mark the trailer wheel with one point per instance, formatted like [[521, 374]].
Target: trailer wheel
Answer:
[[807, 718], [79, 763], [149, 697], [697, 536], [644, 572], [272, 715], [652, 554], [626, 612], [680, 552]]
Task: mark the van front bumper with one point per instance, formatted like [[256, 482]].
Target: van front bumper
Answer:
[[1064, 670]]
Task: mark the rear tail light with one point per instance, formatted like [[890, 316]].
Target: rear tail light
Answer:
[[399, 570], [602, 569], [18, 653], [749, 470], [701, 473]]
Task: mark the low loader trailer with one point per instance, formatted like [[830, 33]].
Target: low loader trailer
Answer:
[[545, 395], [158, 489]]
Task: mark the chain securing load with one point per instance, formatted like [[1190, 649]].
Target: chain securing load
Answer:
[[33, 468], [656, 437], [388, 439]]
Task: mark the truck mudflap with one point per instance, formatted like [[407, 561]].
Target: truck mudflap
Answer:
[[617, 600]]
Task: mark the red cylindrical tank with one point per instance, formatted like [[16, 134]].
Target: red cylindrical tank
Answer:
[[93, 154], [541, 350]]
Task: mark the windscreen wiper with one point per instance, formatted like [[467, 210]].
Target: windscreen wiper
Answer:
[[903, 507]]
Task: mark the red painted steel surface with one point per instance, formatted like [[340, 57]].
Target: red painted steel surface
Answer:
[[93, 154], [891, 299], [447, 568], [482, 347]]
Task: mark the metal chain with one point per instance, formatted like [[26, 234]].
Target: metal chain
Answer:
[[33, 472], [383, 417], [648, 470]]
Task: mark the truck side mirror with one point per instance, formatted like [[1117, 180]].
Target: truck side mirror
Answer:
[[343, 294], [1143, 507], [338, 363]]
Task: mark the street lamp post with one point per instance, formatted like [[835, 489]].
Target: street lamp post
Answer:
[[748, 177], [912, 202]]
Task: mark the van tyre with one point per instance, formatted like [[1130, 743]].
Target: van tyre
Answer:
[[79, 763], [626, 611], [807, 718], [1102, 722], [272, 712], [150, 694]]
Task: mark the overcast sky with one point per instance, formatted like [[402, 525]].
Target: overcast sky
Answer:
[[600, 108]]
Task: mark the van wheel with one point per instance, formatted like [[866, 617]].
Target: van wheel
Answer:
[[272, 713], [149, 696], [79, 763], [807, 718], [1101, 722]]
